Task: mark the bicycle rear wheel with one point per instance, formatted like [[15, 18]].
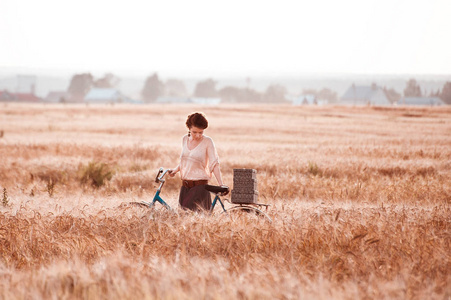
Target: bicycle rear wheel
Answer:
[[248, 212]]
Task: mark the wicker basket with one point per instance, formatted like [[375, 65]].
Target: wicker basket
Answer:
[[245, 189], [239, 198]]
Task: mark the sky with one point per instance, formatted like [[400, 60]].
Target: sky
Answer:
[[233, 37]]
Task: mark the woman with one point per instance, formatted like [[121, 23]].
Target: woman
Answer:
[[198, 160]]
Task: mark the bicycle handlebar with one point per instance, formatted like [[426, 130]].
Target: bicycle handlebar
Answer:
[[158, 174], [159, 178]]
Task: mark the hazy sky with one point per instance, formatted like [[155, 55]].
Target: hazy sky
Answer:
[[228, 37]]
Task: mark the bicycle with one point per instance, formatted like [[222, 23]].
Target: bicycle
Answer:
[[217, 191]]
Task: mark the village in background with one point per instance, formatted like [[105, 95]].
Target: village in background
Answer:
[[378, 90]]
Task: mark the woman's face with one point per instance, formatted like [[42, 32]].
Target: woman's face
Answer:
[[196, 133]]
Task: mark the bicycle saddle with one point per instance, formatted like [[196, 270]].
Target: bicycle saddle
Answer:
[[217, 189]]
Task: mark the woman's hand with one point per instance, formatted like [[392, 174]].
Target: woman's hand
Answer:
[[226, 192], [172, 172]]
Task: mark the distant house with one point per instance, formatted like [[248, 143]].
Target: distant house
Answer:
[[18, 97], [57, 97], [422, 101], [176, 100], [305, 100], [364, 95], [26, 97], [104, 95]]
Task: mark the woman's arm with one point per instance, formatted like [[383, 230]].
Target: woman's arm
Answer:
[[217, 172], [174, 171], [213, 159]]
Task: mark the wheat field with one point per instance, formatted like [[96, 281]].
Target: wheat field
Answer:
[[359, 197]]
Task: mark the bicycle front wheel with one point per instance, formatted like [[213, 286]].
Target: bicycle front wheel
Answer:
[[141, 204]]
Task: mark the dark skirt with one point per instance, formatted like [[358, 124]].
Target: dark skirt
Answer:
[[196, 198]]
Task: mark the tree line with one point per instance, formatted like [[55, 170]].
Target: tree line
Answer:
[[155, 88], [413, 89]]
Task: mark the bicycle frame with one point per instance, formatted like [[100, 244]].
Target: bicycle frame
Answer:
[[217, 198], [157, 198]]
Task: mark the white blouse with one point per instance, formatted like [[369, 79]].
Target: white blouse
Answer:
[[198, 163]]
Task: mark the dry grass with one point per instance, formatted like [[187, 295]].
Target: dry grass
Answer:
[[360, 199]]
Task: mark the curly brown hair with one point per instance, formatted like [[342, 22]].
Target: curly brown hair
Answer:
[[198, 120]]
